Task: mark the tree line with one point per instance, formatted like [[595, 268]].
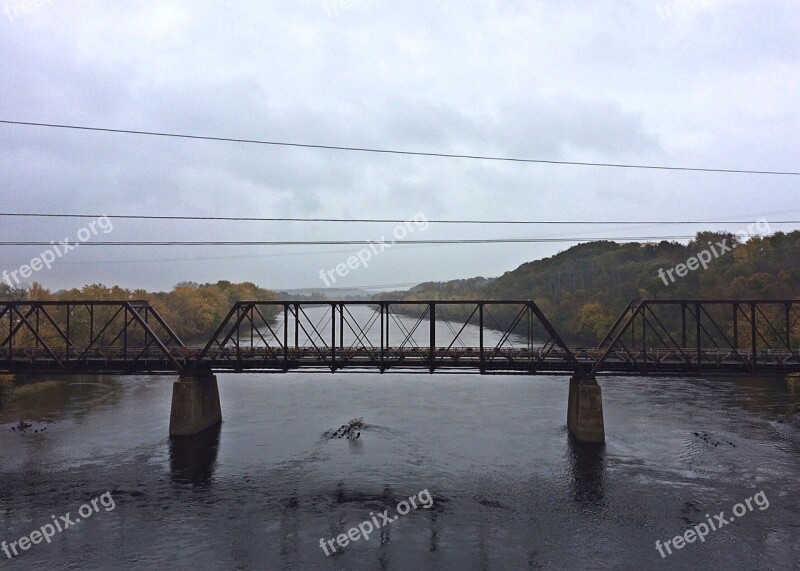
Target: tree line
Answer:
[[583, 289], [193, 310]]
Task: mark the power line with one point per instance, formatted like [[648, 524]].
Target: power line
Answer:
[[185, 259], [316, 253], [329, 289], [357, 242], [397, 152], [380, 220]]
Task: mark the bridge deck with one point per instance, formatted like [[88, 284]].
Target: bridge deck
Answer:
[[112, 360]]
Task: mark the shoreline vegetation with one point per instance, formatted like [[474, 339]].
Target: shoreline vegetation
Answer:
[[193, 310], [27, 390]]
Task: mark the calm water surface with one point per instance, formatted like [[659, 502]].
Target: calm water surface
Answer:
[[510, 489]]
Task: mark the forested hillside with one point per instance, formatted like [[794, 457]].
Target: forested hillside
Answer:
[[583, 289], [192, 310]]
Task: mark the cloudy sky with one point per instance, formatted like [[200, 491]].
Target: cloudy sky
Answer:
[[699, 83]]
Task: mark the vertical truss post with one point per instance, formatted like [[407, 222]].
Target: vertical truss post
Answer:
[[432, 309], [753, 346], [684, 339], [683, 325], [341, 326], [296, 326], [333, 337], [736, 328], [529, 344], [146, 334], [788, 327], [285, 336], [125, 334], [67, 341], [383, 342], [237, 326], [697, 341], [531, 326], [252, 310], [480, 334], [644, 336]]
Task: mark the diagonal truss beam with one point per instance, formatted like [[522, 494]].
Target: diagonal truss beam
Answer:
[[49, 336], [715, 326]]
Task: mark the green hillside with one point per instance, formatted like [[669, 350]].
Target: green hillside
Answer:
[[583, 289]]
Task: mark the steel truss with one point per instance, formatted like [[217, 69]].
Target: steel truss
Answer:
[[650, 337], [334, 337], [85, 337], [702, 336]]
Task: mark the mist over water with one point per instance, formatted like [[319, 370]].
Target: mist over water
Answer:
[[510, 490]]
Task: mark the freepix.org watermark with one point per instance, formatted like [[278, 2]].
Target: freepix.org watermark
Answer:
[[363, 256], [335, 7], [713, 252], [701, 530], [681, 7], [365, 528], [48, 530], [59, 249], [23, 8]]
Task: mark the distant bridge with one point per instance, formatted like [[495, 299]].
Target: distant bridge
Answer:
[[650, 337]]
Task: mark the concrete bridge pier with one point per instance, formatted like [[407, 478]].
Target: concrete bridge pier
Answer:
[[793, 384], [585, 410], [195, 403]]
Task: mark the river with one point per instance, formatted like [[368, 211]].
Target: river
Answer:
[[508, 487]]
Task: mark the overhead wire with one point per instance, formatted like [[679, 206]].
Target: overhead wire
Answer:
[[397, 151], [381, 220], [350, 242]]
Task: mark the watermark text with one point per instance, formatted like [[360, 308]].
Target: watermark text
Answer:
[[701, 530], [714, 251], [48, 530], [363, 256], [365, 528], [58, 250], [22, 8]]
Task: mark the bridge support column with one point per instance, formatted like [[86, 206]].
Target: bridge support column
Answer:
[[195, 404], [6, 386], [793, 383], [585, 410]]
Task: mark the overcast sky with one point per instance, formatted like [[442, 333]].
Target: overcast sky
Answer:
[[705, 83]]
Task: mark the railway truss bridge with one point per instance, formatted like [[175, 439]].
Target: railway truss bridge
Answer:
[[650, 337]]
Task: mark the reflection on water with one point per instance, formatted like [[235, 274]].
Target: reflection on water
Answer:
[[510, 488], [587, 468], [192, 459]]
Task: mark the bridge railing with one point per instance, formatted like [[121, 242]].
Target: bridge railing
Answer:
[[80, 336], [701, 335], [497, 336]]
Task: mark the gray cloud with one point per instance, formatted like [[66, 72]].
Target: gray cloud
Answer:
[[595, 81]]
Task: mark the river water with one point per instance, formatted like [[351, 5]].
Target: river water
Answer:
[[509, 488]]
